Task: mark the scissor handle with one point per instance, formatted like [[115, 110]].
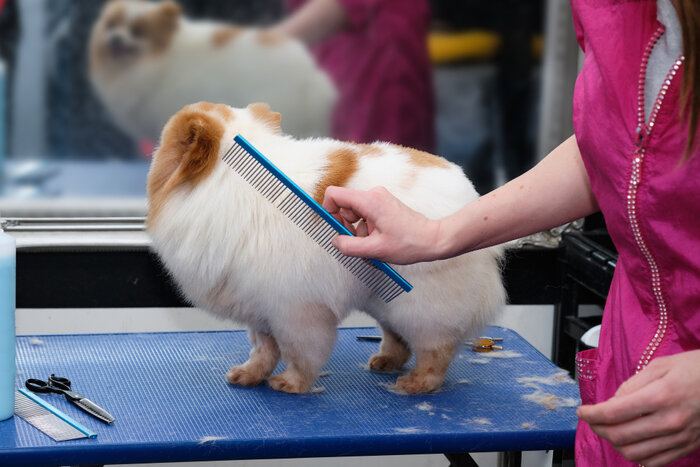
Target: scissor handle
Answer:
[[54, 384], [59, 382], [37, 385]]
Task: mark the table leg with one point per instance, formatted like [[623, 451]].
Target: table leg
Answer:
[[510, 458], [563, 458], [461, 459]]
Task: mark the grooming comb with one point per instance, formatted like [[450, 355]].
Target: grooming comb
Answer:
[[48, 418], [310, 216]]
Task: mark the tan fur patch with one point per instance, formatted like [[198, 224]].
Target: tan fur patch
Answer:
[[342, 165], [269, 38], [203, 106], [224, 35], [160, 26], [393, 352], [264, 114], [425, 159], [223, 110], [369, 150], [189, 151], [434, 361], [262, 362], [114, 14], [429, 371]]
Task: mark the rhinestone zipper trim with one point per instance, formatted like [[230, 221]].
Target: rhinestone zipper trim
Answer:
[[643, 131]]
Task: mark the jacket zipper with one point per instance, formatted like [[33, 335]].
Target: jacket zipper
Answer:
[[643, 131]]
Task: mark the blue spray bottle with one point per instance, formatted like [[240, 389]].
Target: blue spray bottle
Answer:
[[3, 120], [8, 370]]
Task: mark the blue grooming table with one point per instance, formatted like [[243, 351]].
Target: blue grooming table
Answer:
[[172, 403]]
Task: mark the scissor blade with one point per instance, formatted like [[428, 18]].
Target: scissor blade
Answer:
[[95, 410]]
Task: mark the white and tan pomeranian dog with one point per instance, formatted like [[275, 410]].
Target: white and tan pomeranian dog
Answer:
[[146, 61], [232, 252]]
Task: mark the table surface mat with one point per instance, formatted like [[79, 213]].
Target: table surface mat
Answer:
[[171, 402]]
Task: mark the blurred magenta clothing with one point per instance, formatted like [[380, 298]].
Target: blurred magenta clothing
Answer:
[[379, 62], [651, 205]]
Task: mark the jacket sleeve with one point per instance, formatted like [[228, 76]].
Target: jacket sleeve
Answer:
[[360, 12]]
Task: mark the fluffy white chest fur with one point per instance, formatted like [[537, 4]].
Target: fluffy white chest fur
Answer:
[[147, 61], [232, 252]]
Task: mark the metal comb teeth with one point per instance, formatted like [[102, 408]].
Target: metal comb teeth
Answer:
[[310, 217], [53, 423]]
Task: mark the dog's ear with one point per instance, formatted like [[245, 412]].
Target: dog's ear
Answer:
[[199, 138], [188, 151], [264, 114], [162, 25], [168, 16], [170, 9]]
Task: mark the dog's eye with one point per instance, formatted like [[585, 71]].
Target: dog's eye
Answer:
[[137, 31]]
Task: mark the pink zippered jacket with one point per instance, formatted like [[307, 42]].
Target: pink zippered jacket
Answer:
[[650, 201]]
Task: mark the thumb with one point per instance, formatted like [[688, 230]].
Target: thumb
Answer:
[[353, 246], [636, 382]]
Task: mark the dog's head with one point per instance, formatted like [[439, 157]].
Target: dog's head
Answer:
[[129, 31], [195, 138]]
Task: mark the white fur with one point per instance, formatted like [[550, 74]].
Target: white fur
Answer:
[[143, 95], [280, 282]]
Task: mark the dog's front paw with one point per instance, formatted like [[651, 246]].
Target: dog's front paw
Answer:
[[242, 375], [291, 383], [413, 383], [379, 362]]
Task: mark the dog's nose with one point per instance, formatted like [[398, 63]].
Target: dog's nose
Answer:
[[116, 42], [117, 45]]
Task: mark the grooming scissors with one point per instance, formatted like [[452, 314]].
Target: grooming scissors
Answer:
[[61, 385]]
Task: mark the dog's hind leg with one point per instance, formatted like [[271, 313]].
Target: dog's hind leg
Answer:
[[262, 361], [429, 372], [393, 352]]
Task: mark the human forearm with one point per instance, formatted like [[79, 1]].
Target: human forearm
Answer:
[[314, 21], [552, 193]]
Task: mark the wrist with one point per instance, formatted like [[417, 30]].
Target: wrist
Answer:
[[456, 234], [441, 238]]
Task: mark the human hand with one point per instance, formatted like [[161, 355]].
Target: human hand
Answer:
[[654, 417], [385, 228]]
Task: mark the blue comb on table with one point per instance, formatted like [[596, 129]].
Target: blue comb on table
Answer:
[[310, 216]]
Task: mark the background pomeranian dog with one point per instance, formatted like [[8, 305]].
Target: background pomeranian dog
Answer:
[[232, 252], [146, 61]]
